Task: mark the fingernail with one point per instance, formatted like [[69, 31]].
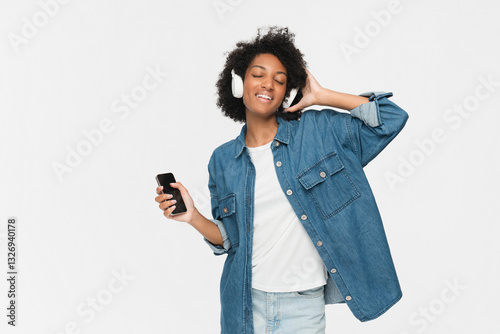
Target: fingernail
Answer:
[[173, 201], [169, 196], [161, 187], [173, 207]]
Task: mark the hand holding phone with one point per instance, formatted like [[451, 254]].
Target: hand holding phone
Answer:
[[164, 180]]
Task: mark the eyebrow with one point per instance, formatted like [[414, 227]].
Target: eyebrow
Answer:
[[262, 67]]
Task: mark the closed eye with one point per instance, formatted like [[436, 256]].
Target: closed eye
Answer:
[[260, 76]]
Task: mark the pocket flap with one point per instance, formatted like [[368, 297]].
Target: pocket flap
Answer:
[[320, 171], [227, 205]]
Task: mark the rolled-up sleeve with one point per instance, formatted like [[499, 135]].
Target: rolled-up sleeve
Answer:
[[217, 249], [226, 244], [374, 125]]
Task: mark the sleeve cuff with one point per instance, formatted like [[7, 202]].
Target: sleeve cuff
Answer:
[[226, 244], [369, 112]]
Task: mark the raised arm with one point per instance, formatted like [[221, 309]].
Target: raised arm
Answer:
[[373, 120], [314, 94]]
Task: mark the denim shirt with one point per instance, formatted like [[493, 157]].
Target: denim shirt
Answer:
[[319, 162]]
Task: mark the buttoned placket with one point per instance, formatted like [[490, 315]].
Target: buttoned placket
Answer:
[[249, 216], [289, 192], [278, 154]]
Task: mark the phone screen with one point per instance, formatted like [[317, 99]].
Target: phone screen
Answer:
[[165, 180]]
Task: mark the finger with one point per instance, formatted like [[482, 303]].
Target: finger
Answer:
[[177, 185], [169, 211], [163, 197], [293, 108], [166, 204], [159, 190], [180, 186]]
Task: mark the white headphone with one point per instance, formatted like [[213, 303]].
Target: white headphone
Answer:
[[237, 89]]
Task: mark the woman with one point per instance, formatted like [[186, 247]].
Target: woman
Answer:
[[291, 205]]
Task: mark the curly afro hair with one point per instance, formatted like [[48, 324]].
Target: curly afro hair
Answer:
[[278, 42]]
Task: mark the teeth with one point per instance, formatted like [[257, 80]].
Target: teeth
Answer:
[[264, 96]]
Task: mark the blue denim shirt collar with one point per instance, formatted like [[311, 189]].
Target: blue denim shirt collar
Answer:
[[282, 135]]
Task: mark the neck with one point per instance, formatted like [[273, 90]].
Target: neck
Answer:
[[260, 131]]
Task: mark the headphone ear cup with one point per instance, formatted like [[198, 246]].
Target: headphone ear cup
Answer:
[[236, 85], [287, 102]]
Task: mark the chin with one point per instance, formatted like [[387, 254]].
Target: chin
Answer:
[[262, 113]]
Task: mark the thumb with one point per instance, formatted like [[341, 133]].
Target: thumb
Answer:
[[294, 108], [181, 187]]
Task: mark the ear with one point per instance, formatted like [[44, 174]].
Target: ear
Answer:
[[236, 85], [287, 102]]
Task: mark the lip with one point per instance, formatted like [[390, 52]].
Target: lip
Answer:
[[264, 100]]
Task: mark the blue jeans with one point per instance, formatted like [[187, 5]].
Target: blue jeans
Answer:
[[289, 312]]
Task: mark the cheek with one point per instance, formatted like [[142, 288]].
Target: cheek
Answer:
[[281, 94], [246, 93], [247, 84]]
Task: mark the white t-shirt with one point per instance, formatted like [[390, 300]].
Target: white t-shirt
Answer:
[[284, 258]]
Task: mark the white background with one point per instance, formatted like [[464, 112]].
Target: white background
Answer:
[[78, 231]]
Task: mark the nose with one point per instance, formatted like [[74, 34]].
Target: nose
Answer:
[[267, 83]]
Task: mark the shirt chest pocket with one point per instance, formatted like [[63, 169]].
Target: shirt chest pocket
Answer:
[[329, 185], [227, 211]]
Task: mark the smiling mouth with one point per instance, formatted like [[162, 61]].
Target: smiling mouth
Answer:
[[264, 97]]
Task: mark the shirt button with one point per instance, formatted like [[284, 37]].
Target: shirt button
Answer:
[[225, 210], [348, 298], [322, 174], [289, 192], [278, 164], [319, 243], [333, 271], [303, 217], [276, 143]]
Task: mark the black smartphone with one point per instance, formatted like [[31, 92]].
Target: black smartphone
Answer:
[[165, 180]]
